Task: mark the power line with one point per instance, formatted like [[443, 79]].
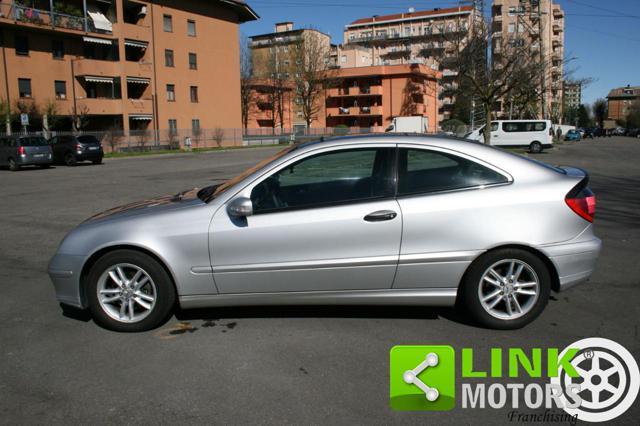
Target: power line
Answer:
[[591, 30], [605, 9]]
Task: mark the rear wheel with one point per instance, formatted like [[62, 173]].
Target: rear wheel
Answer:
[[13, 166], [535, 147], [70, 159], [505, 289], [129, 291]]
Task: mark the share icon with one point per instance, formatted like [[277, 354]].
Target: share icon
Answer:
[[411, 376]]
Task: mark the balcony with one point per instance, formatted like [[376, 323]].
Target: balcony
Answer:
[[139, 106], [397, 52], [558, 13], [84, 67], [354, 111], [133, 31], [41, 18], [100, 106], [556, 42], [355, 91], [142, 69], [557, 28]]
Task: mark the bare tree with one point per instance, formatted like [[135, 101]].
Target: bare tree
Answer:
[[247, 93], [275, 84], [218, 136], [494, 69], [311, 72]]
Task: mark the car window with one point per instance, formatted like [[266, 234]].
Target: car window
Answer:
[[530, 126], [327, 178], [423, 171], [33, 141], [88, 139]]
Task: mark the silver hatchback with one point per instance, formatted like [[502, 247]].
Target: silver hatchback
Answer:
[[396, 220]]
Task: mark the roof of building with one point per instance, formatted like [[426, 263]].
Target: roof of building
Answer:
[[623, 92], [286, 33], [245, 12], [383, 70], [411, 15]]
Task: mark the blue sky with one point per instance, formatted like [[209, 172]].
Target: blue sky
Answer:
[[602, 36]]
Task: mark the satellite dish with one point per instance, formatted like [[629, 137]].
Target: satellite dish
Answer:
[[412, 9]]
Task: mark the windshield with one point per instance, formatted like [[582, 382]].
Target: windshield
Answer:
[[208, 193], [33, 141]]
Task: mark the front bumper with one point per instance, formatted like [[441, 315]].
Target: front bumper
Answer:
[[64, 271], [575, 261]]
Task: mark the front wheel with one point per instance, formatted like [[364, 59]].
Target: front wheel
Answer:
[[505, 289], [535, 147], [129, 291]]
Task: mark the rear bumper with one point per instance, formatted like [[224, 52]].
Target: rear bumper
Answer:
[[90, 155], [64, 271], [574, 262], [29, 160]]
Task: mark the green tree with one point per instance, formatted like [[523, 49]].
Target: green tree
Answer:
[[600, 111], [584, 119]]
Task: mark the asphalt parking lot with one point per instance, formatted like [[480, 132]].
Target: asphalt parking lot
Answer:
[[264, 365]]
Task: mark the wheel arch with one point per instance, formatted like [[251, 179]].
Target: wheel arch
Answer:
[[93, 258], [553, 272]]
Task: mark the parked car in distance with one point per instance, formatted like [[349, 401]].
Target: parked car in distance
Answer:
[[533, 134], [18, 151], [633, 133], [69, 149], [588, 133], [572, 135], [600, 132], [390, 219]]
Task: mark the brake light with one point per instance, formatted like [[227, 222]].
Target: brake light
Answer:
[[21, 150], [583, 203], [79, 146]]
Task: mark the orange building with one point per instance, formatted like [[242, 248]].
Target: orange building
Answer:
[[271, 106], [621, 100], [123, 63], [371, 97]]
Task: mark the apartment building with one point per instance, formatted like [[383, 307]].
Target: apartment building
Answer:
[[370, 97], [540, 25], [417, 37], [125, 64], [272, 54], [620, 101], [572, 93]]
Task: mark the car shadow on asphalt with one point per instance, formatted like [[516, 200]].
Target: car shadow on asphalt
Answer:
[[323, 311]]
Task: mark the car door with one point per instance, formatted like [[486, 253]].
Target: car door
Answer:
[[444, 197], [327, 221]]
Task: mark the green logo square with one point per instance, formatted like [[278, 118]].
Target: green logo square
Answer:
[[422, 378]]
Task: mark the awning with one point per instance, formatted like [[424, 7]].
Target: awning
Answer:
[[97, 40], [141, 117], [100, 21], [135, 43], [138, 80], [95, 79]]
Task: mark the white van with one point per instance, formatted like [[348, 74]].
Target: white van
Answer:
[[411, 124], [535, 134]]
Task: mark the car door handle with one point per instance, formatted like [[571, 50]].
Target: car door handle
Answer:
[[380, 216]]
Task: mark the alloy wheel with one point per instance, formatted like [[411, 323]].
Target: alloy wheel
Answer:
[[126, 293], [509, 289]]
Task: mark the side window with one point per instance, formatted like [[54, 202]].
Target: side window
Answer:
[[328, 178], [513, 127], [540, 126], [422, 171], [494, 127]]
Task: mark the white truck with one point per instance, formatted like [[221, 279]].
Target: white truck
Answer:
[[413, 124]]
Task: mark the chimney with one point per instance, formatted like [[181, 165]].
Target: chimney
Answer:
[[284, 26]]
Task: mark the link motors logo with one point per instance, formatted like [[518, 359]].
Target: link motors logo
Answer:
[[609, 380], [593, 380]]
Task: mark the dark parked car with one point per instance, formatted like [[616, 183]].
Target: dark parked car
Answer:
[[17, 151], [71, 149], [588, 133], [634, 133]]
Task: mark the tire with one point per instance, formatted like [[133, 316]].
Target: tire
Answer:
[[99, 161], [109, 314], [70, 160], [474, 286], [13, 166], [535, 147], [45, 166]]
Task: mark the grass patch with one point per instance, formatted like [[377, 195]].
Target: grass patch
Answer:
[[181, 151]]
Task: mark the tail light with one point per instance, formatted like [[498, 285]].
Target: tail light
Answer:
[[21, 150], [582, 201], [79, 146]]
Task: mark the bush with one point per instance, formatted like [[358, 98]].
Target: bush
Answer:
[[341, 129]]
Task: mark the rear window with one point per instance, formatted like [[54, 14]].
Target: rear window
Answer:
[[33, 141], [88, 139]]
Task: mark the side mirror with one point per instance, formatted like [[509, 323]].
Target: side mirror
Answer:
[[240, 207]]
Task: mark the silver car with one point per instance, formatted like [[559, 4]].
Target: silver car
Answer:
[[394, 220]]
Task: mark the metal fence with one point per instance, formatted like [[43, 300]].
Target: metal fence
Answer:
[[188, 139]]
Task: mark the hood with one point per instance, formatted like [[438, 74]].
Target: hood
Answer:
[[153, 205]]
